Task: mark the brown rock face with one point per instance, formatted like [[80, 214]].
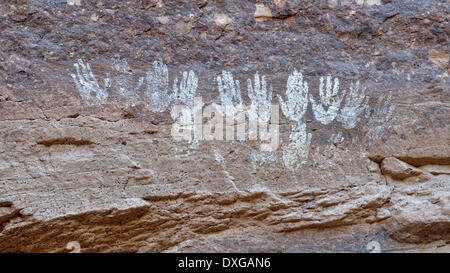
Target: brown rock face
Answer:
[[274, 126], [398, 169]]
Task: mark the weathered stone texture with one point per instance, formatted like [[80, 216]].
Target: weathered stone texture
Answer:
[[110, 176]]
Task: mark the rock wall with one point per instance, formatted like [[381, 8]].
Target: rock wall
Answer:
[[130, 126]]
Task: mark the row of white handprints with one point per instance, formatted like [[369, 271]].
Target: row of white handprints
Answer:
[[345, 106]]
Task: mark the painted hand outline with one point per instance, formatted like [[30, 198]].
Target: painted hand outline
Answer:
[[123, 81], [187, 88], [87, 84], [328, 98], [261, 118], [230, 92], [355, 104], [260, 98], [157, 90], [297, 93]]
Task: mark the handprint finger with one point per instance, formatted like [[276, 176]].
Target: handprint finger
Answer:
[[353, 95], [305, 93], [350, 95], [335, 87], [283, 106], [328, 93], [361, 95], [84, 70], [165, 74], [93, 80], [220, 87], [364, 104], [322, 91], [339, 99], [79, 74], [194, 82], [238, 92], [79, 87], [250, 91], [139, 84], [269, 95], [257, 87], [292, 84], [175, 94], [106, 82], [313, 101], [183, 83]]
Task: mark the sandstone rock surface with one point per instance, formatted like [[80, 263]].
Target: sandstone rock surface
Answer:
[[87, 147]]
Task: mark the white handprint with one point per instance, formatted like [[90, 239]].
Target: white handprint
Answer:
[[230, 92], [296, 152], [297, 93], [261, 117], [187, 89], [355, 105], [185, 94], [123, 81], [328, 98], [260, 108], [87, 84], [231, 106], [157, 91], [260, 97]]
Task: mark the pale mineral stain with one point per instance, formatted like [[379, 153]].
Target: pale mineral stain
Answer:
[[222, 19], [74, 2], [262, 13], [163, 19]]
